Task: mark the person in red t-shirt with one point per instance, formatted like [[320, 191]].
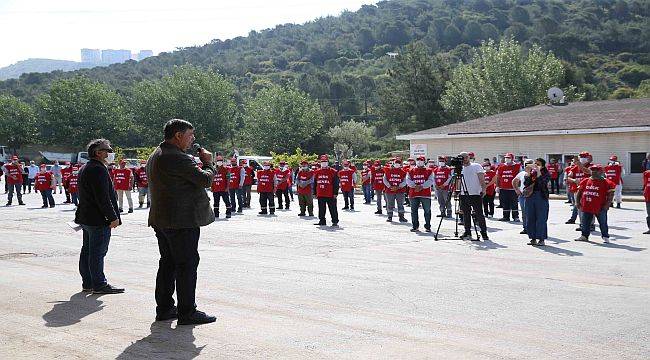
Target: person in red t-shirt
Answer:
[[142, 183], [347, 181], [235, 184], [442, 175], [554, 172], [248, 182], [305, 187], [614, 172], [594, 196], [219, 187], [283, 174], [377, 174], [266, 181], [395, 189], [508, 198], [578, 172], [65, 174], [420, 179], [646, 195], [327, 188], [14, 173], [73, 185], [45, 183], [490, 191], [567, 168], [366, 182], [123, 178]]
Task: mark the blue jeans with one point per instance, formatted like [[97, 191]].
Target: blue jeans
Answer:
[[91, 259], [426, 206], [522, 206], [47, 197], [536, 216], [587, 218], [367, 193], [574, 208], [239, 196]]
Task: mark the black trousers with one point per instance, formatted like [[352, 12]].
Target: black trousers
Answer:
[[510, 202], [323, 205], [348, 197], [247, 195], [488, 205], [555, 186], [279, 193], [226, 201], [179, 259], [472, 207], [267, 201]]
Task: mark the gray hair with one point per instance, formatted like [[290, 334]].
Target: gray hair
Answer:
[[93, 145]]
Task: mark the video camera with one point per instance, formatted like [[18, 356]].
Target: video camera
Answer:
[[457, 163]]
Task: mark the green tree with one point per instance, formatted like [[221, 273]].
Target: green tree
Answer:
[[501, 77], [204, 98], [77, 110], [281, 119], [17, 122], [351, 138], [452, 36]]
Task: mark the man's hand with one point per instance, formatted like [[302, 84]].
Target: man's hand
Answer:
[[115, 223], [205, 156], [393, 188]]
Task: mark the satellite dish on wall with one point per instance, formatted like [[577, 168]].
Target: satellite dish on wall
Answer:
[[555, 94]]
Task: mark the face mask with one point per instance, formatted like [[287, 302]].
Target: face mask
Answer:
[[324, 164], [305, 168], [584, 160], [419, 163], [346, 167], [110, 157], [365, 167], [486, 168], [219, 163], [441, 163], [396, 165], [266, 167], [431, 165], [508, 161]]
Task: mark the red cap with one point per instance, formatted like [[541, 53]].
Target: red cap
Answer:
[[470, 154], [421, 158], [324, 157], [509, 155], [584, 154], [596, 167], [613, 158]]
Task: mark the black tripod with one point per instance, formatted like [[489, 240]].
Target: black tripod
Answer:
[[457, 178]]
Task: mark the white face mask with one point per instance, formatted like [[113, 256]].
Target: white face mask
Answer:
[[266, 167], [110, 157], [486, 168], [219, 163], [508, 161], [584, 160], [324, 164], [441, 163], [365, 167], [432, 165], [396, 165], [305, 168], [419, 163]]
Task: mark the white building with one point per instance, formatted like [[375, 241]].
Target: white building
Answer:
[[604, 128], [110, 56], [143, 54], [91, 56]]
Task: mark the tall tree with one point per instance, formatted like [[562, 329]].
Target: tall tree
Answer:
[[77, 110], [350, 138], [501, 77], [281, 120], [17, 122]]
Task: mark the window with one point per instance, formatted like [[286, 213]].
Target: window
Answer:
[[636, 161]]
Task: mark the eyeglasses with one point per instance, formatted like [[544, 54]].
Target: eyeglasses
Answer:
[[108, 150]]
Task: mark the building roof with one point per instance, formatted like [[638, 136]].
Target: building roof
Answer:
[[584, 116]]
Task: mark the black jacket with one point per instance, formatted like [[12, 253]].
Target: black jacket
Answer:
[[97, 199]]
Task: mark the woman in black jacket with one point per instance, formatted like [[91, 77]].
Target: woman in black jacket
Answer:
[[536, 192]]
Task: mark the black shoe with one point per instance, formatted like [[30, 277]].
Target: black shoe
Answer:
[[402, 219], [228, 215], [515, 219], [579, 228], [120, 210], [140, 206], [301, 214], [279, 207], [311, 214], [21, 203], [647, 232], [44, 207], [199, 317], [570, 222], [504, 219], [618, 206], [263, 212], [320, 224], [108, 289], [378, 212], [351, 207], [240, 210], [533, 242], [272, 212], [427, 228], [389, 219], [485, 236], [130, 211], [523, 232], [335, 224], [168, 315], [8, 204], [540, 242], [50, 205], [415, 230], [441, 215], [345, 208], [567, 202], [499, 207], [467, 235]]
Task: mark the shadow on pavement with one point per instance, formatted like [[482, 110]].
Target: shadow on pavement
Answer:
[[487, 245], [66, 313], [164, 342], [617, 246], [558, 251]]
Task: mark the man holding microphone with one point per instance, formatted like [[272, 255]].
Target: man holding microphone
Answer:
[[179, 207]]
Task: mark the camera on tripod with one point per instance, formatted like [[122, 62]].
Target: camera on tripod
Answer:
[[457, 164]]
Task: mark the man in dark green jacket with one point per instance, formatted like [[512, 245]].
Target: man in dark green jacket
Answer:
[[179, 207]]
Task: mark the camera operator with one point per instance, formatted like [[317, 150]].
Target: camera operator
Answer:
[[179, 207], [471, 197]]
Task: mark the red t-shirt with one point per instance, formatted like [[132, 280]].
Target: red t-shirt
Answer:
[[284, 178], [506, 173], [419, 175], [220, 180], [304, 176], [377, 179], [576, 173], [73, 183], [122, 178], [65, 173], [442, 174], [14, 170], [594, 194], [43, 181], [553, 170], [345, 180], [265, 180], [142, 177], [395, 176], [324, 179], [248, 180], [646, 185], [490, 190], [613, 173], [365, 173], [235, 176]]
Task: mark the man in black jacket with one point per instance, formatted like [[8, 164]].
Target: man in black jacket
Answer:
[[97, 214], [179, 207]]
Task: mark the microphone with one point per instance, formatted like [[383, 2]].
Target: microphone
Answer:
[[196, 148]]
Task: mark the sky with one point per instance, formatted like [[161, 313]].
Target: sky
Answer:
[[58, 29]]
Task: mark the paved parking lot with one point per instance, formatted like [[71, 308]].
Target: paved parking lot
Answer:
[[284, 288]]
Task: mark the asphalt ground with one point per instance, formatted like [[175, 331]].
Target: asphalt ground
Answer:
[[281, 287]]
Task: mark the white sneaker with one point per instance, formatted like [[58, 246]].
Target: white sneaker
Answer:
[[605, 239]]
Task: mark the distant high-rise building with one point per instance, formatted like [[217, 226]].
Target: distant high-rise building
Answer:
[[143, 54], [111, 56], [92, 56]]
